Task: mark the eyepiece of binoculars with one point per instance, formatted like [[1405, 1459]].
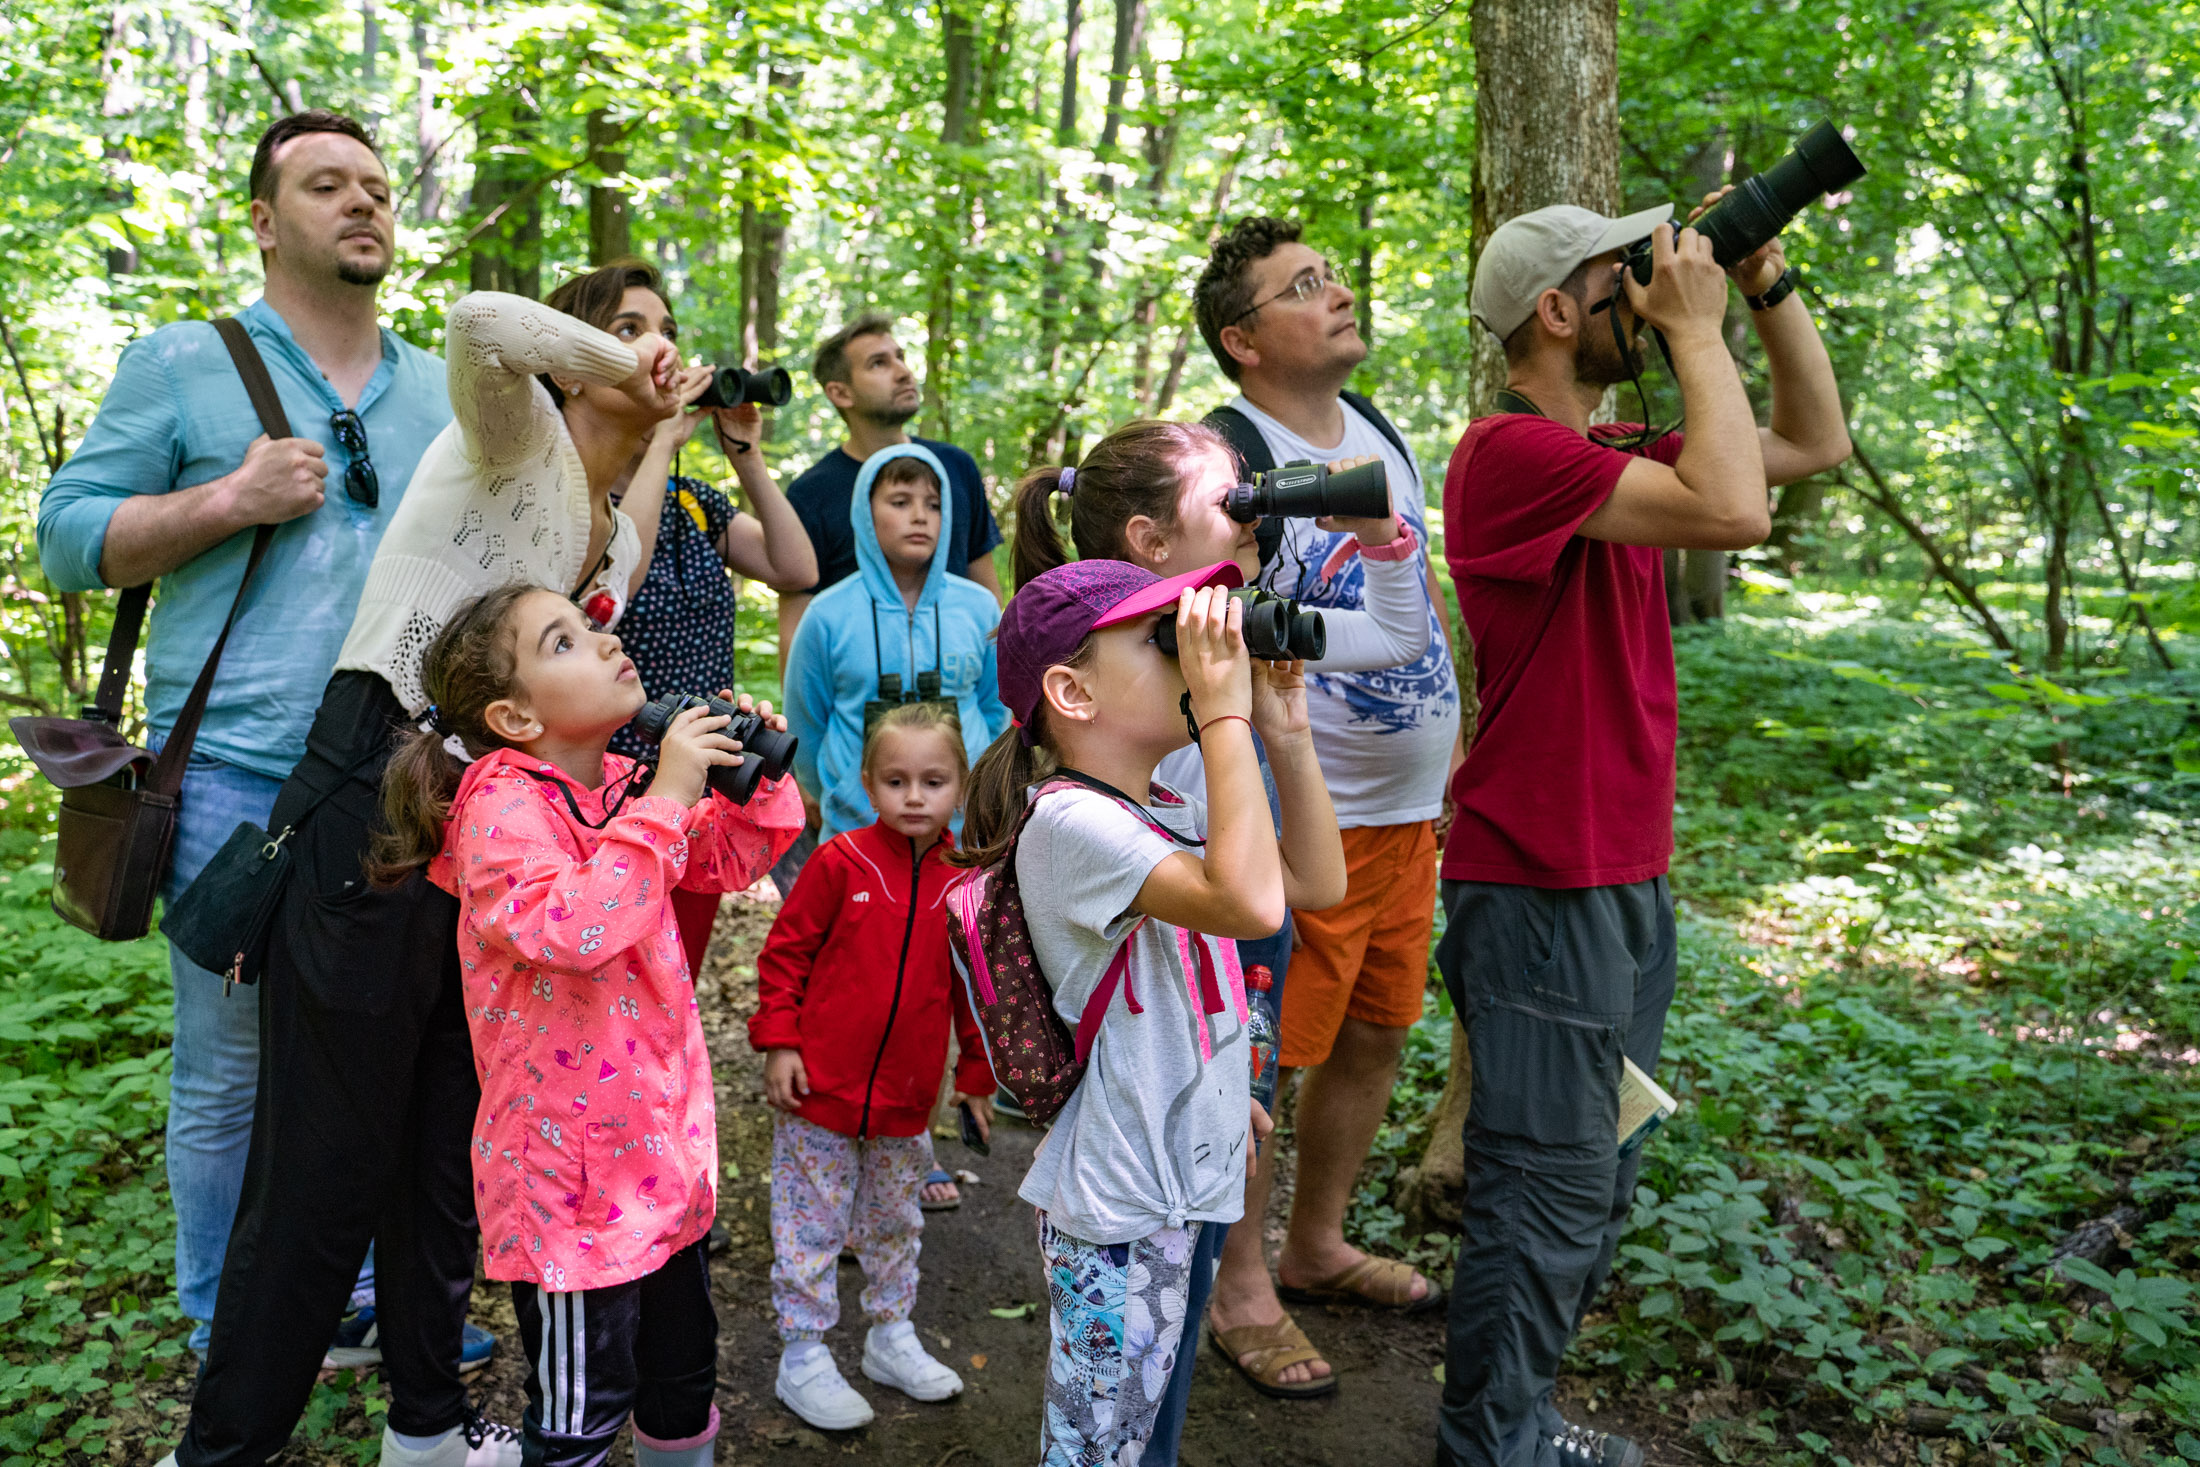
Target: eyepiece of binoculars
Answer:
[[766, 753], [1275, 629], [1303, 490], [767, 386]]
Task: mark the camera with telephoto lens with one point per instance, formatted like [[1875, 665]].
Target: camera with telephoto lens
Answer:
[[730, 386], [1761, 205], [1302, 490], [1275, 629], [766, 753]]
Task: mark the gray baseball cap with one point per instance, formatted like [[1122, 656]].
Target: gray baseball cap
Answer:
[[1536, 252]]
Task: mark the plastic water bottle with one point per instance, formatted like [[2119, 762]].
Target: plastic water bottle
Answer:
[[1260, 1034]]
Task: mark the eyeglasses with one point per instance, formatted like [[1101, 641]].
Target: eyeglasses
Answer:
[[360, 480], [1304, 286]]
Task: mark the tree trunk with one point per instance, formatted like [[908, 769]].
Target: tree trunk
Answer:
[[508, 254], [1546, 113], [1706, 584], [1795, 515], [1677, 609], [950, 208], [370, 41], [119, 100], [428, 198], [1546, 107], [609, 235]]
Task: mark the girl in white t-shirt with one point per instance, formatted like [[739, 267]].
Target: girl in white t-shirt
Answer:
[[1158, 1137]]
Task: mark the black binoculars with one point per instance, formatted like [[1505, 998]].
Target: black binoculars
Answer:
[[890, 696], [1303, 490], [1761, 205], [767, 386], [766, 753], [1275, 629]]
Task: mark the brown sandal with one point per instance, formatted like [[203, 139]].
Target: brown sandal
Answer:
[[1261, 1352], [1377, 1283]]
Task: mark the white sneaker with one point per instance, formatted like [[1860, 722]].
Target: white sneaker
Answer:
[[893, 1356], [812, 1387], [475, 1442]]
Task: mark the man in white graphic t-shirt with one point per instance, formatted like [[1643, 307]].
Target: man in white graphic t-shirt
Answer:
[[1281, 324]]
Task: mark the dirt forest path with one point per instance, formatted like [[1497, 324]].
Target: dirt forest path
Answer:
[[978, 1260]]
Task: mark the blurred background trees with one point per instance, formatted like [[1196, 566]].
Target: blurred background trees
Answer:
[[1029, 186]]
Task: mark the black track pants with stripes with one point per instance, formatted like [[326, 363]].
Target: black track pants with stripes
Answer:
[[647, 1348]]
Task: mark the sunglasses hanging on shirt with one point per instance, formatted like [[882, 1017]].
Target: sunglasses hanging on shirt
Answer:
[[360, 480]]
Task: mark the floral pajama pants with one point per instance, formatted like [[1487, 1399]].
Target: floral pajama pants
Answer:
[[829, 1190], [1117, 1312]]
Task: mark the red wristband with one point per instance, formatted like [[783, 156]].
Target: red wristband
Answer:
[[1224, 718]]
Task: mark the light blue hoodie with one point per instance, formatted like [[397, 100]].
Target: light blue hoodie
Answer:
[[858, 628]]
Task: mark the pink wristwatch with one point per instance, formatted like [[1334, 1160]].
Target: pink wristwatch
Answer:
[[1406, 544]]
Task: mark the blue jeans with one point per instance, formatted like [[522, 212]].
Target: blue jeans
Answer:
[[216, 1053], [215, 1056]]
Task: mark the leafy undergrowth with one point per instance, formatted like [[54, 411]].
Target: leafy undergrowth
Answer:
[[87, 1303], [1932, 1191]]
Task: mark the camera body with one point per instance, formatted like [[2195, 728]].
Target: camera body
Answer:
[[766, 753], [1275, 629], [729, 386], [1763, 204], [1304, 490]]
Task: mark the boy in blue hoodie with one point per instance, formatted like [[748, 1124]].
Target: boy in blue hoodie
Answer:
[[902, 615]]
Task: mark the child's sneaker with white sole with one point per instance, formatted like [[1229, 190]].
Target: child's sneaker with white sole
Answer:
[[893, 1356], [812, 1387]]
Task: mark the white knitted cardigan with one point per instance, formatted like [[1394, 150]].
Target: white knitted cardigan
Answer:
[[501, 494]]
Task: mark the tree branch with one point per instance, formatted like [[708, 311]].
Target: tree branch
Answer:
[[1881, 496]]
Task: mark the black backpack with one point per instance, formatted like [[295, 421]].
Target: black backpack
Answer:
[[1252, 450]]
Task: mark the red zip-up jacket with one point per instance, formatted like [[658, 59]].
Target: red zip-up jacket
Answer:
[[857, 976]]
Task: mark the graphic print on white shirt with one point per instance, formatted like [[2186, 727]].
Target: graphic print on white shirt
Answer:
[[1385, 736]]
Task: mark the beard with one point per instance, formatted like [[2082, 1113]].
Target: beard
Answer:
[[891, 416], [355, 274], [1599, 362]]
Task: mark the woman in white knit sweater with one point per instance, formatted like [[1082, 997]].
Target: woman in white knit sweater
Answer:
[[366, 1114]]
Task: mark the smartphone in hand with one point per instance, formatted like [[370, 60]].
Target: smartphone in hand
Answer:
[[970, 1134]]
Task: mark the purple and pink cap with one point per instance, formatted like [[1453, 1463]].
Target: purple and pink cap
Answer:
[[1051, 615]]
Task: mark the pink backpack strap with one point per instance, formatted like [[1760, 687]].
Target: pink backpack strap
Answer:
[[1096, 1007]]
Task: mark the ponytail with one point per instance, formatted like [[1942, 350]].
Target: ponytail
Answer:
[[417, 786], [1001, 782], [1037, 545], [995, 796], [1139, 469], [471, 663]]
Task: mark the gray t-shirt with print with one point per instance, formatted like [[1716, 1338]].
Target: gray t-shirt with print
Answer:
[[1155, 1134]]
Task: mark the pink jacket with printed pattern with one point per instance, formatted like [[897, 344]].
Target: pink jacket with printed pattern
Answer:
[[595, 1149]]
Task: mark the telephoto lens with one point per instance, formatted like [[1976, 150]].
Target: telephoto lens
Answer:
[[1763, 204], [1275, 629], [1303, 490], [766, 753], [767, 386]]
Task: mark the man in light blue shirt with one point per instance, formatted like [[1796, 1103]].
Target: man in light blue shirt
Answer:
[[171, 481]]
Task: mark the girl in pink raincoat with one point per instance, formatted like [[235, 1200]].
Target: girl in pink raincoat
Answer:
[[595, 1149]]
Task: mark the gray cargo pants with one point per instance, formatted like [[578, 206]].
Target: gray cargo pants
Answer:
[[1554, 986]]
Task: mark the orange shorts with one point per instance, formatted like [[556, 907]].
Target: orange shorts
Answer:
[[1367, 957]]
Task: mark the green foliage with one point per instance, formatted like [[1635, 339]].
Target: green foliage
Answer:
[[1935, 1013], [87, 1287]]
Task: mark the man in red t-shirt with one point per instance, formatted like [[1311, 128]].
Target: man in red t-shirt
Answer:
[[1558, 947]]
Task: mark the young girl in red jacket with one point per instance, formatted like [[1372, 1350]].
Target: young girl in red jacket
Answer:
[[855, 993], [595, 1145]]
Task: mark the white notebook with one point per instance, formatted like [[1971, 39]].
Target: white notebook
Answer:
[[1643, 1107]]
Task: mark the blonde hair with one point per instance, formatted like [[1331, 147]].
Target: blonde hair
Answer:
[[919, 718]]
